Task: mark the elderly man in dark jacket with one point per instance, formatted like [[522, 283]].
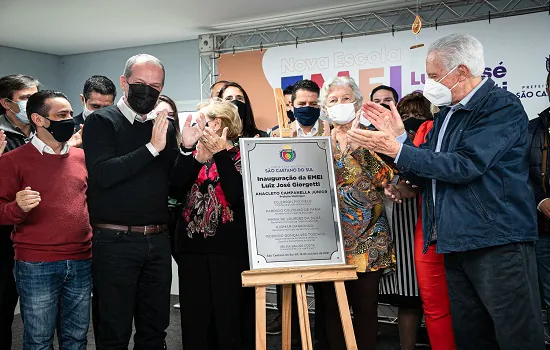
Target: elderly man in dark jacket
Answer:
[[477, 201], [539, 133]]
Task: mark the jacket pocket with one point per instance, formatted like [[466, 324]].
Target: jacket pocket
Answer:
[[480, 206]]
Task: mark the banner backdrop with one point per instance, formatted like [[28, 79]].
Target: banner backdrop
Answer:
[[517, 56]]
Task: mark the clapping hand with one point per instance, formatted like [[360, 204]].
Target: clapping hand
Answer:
[[389, 122], [213, 142], [3, 142], [160, 128], [190, 135], [203, 155]]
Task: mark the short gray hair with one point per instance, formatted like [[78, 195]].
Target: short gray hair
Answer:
[[142, 57], [340, 81], [458, 49]]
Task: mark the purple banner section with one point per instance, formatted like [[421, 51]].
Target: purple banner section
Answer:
[[395, 80]]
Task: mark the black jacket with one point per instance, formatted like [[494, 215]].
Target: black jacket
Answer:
[[79, 119], [537, 129]]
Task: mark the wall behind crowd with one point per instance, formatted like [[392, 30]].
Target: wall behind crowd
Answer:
[[45, 67], [68, 73], [180, 59]]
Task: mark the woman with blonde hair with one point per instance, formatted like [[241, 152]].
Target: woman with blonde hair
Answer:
[[210, 240], [360, 177]]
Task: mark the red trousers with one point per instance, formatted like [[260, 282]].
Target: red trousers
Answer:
[[430, 272]]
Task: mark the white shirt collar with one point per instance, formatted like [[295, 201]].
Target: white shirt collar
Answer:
[[43, 148], [300, 132], [131, 115]]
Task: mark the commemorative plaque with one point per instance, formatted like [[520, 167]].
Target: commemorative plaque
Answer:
[[292, 213]]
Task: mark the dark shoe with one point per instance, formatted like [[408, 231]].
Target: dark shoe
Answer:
[[275, 327]]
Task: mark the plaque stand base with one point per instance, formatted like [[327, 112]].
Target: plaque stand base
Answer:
[[300, 276]]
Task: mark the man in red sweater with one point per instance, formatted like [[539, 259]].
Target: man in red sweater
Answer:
[[43, 193]]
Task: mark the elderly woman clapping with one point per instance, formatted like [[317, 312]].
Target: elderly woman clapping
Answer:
[[210, 239], [360, 177]]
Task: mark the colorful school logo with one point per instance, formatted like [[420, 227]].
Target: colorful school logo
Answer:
[[287, 154]]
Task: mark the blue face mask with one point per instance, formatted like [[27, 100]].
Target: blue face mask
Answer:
[[306, 116], [22, 115]]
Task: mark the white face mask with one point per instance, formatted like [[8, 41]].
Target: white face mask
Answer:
[[86, 112], [342, 113], [437, 93]]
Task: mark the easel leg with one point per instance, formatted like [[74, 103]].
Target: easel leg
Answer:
[[260, 318], [303, 315], [287, 316], [345, 315]]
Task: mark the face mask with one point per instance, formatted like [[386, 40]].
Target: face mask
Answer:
[[86, 112], [307, 116], [22, 115], [142, 98], [437, 93], [61, 130], [241, 106], [342, 113], [290, 116]]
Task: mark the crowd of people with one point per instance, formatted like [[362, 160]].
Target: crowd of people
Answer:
[[443, 198]]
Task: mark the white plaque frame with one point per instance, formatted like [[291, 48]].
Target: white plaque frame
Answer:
[[324, 166]]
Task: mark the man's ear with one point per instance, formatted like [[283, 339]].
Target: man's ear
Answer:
[[82, 99], [4, 102], [37, 119]]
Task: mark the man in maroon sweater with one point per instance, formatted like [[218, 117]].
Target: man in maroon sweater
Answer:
[[43, 193]]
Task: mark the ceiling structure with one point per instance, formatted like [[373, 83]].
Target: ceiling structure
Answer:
[[63, 27]]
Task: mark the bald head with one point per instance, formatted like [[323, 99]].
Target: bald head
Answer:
[[143, 60]]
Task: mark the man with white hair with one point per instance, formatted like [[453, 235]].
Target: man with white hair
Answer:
[[129, 158], [477, 202]]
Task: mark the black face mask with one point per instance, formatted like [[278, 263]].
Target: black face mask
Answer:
[[241, 106], [290, 115], [142, 98], [307, 116], [61, 130]]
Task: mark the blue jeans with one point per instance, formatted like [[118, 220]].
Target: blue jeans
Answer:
[[542, 248], [51, 292]]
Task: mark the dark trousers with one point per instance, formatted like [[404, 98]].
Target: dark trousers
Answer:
[[494, 295], [132, 279], [8, 291], [217, 313], [363, 298], [542, 248]]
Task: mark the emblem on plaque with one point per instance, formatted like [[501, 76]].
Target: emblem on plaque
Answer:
[[287, 154]]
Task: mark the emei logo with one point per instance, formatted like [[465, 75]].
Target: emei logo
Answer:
[[287, 154]]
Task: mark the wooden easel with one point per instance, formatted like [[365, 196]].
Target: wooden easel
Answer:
[[284, 128], [299, 277]]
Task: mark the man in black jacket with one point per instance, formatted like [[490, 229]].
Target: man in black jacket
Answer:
[[539, 130], [15, 90], [99, 91], [130, 151]]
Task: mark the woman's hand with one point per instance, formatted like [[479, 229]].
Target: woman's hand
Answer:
[[213, 142], [190, 135], [393, 193], [203, 155]]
